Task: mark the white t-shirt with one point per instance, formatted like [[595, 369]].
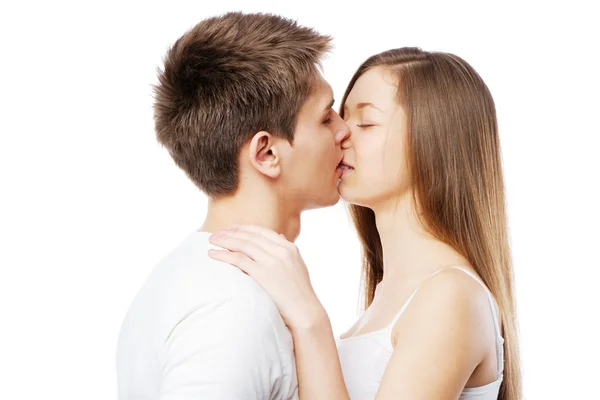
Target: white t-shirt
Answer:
[[202, 329]]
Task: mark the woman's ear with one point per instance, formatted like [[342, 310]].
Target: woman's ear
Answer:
[[264, 155]]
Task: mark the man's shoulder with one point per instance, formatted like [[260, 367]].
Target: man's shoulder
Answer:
[[189, 272], [204, 289], [187, 280]]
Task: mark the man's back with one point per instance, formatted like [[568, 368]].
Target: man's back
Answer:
[[200, 329]]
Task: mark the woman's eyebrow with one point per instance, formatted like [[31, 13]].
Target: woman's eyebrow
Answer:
[[363, 105], [367, 104]]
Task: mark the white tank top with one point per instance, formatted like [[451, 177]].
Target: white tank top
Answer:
[[364, 357]]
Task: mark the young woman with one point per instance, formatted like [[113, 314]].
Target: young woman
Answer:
[[422, 173]]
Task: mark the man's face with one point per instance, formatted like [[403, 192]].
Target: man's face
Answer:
[[310, 174]]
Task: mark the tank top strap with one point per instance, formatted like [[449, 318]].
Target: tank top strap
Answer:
[[407, 302], [490, 298]]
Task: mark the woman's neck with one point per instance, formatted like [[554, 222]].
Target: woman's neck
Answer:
[[410, 252]]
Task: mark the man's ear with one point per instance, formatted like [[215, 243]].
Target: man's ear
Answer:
[[264, 154]]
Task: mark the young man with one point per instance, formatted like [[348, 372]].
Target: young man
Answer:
[[243, 110]]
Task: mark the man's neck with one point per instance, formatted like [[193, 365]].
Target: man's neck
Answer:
[[265, 211]]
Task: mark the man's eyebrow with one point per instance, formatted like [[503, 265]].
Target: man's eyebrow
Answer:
[[330, 105]]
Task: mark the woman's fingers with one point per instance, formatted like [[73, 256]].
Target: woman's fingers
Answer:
[[270, 249], [273, 262], [264, 241], [264, 232], [236, 259], [239, 244]]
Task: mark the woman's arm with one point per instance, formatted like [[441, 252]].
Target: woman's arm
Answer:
[[278, 267], [317, 362]]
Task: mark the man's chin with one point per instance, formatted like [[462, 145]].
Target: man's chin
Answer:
[[325, 202], [335, 199]]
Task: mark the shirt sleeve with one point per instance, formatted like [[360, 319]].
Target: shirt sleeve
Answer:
[[223, 351]]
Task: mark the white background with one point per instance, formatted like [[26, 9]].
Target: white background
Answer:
[[90, 202]]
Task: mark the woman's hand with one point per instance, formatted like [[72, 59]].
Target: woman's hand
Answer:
[[276, 264]]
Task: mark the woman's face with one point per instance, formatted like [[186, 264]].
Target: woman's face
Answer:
[[375, 149]]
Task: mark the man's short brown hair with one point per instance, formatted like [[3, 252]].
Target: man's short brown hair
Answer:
[[226, 79]]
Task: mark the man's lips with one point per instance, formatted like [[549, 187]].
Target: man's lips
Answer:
[[344, 167], [345, 164]]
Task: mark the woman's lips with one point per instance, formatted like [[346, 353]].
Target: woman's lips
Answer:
[[344, 168]]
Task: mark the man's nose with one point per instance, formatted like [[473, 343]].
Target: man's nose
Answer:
[[342, 133]]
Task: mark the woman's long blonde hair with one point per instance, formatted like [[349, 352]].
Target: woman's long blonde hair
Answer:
[[453, 154]]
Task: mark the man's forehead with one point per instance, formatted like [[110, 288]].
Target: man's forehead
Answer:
[[321, 85], [320, 99], [322, 92]]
